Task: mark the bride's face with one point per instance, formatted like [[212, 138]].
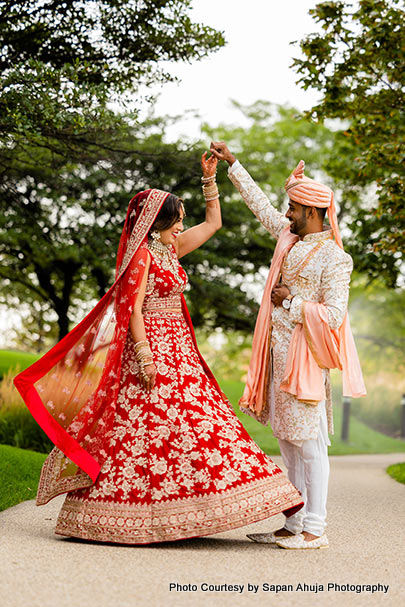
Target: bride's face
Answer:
[[169, 236]]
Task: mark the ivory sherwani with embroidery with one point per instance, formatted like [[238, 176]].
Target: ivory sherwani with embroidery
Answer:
[[315, 269]]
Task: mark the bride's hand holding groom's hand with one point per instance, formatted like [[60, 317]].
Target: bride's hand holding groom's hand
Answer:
[[208, 165], [220, 150], [196, 236]]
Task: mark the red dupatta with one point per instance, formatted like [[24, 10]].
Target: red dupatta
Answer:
[[72, 390]]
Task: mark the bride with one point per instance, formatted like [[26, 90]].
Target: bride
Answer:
[[147, 447]]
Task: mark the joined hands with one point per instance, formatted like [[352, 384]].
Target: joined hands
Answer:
[[220, 150]]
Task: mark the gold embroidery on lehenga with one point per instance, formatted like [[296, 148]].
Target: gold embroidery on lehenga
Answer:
[[52, 481], [187, 517], [179, 462]]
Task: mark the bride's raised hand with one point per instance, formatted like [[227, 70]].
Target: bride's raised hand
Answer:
[[194, 237], [208, 165]]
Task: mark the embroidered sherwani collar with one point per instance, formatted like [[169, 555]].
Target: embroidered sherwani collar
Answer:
[[317, 236]]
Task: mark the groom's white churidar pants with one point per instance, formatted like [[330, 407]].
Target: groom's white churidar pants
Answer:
[[308, 470]]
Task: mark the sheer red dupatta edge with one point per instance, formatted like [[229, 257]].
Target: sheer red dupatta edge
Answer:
[[72, 390]]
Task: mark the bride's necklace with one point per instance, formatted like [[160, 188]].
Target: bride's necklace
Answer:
[[158, 247], [163, 253]]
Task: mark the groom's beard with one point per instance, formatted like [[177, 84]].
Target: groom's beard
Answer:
[[297, 226]]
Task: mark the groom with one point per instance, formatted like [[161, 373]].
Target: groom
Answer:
[[301, 332]]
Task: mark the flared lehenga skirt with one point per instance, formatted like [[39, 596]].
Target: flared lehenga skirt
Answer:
[[180, 463]]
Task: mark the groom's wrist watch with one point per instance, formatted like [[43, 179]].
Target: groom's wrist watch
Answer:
[[286, 303]]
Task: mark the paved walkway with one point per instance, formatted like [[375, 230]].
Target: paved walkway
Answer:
[[366, 532]]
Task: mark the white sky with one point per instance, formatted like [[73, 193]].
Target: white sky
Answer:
[[254, 64]]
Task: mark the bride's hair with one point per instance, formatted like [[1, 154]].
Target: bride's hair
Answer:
[[169, 214]]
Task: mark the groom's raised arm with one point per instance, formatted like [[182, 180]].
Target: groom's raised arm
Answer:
[[255, 198]]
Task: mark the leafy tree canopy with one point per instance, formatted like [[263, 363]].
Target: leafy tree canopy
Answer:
[[64, 145], [60, 230], [63, 63], [119, 43], [356, 63]]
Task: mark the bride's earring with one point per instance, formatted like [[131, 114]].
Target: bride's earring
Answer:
[[155, 235]]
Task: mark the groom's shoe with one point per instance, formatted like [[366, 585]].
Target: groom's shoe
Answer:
[[266, 538], [297, 542]]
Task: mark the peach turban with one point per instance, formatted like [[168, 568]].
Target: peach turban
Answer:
[[311, 193]]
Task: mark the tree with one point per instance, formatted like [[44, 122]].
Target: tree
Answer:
[[381, 344], [60, 230], [63, 64], [118, 44], [356, 63]]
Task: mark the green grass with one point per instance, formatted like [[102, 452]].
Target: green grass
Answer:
[[397, 471], [12, 359], [19, 474], [362, 439]]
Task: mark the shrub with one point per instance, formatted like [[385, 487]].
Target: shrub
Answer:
[[17, 426], [14, 360]]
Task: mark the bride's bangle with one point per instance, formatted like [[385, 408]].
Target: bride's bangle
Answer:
[[210, 192], [143, 353], [208, 178]]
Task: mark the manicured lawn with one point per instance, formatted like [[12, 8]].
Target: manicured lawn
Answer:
[[19, 474], [397, 471], [362, 439], [12, 359]]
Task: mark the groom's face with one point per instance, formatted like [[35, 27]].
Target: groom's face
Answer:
[[297, 215]]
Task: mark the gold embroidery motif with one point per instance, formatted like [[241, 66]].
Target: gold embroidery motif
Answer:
[[326, 280], [52, 483], [167, 521], [161, 303], [148, 215], [290, 275]]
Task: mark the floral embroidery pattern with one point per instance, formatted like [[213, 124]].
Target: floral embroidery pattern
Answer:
[[324, 279], [179, 461]]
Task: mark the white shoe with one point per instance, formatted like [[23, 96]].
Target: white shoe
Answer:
[[297, 542], [265, 538]]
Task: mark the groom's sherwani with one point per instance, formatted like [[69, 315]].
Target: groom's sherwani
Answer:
[[317, 270]]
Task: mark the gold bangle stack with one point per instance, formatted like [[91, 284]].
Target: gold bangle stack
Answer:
[[144, 357], [208, 178], [210, 188]]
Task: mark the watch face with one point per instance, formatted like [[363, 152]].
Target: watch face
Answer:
[[286, 304]]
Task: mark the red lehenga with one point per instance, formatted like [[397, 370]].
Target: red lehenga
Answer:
[[143, 467]]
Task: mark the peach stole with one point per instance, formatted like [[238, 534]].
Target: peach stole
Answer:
[[254, 398], [315, 346]]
